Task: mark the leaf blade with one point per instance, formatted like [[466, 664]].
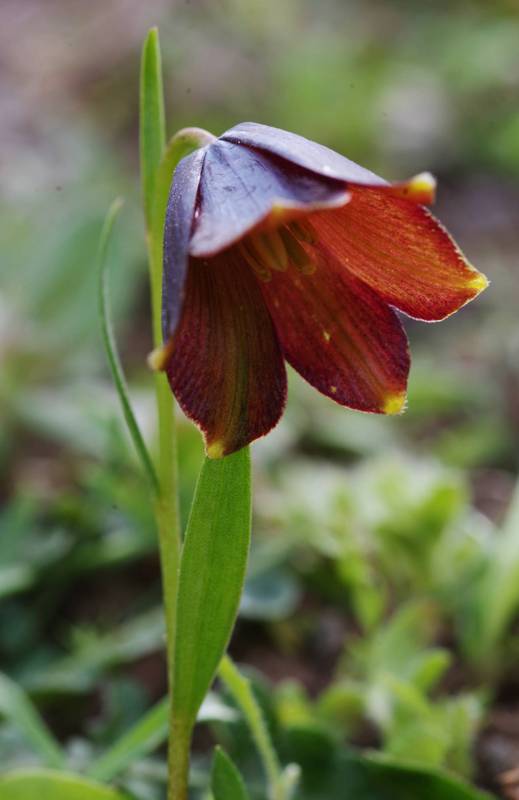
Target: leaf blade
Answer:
[[226, 781], [152, 125], [147, 734], [212, 573], [110, 345], [16, 706], [26, 784]]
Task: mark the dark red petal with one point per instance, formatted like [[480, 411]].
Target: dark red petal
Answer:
[[341, 337], [241, 188], [179, 222], [401, 251], [226, 367]]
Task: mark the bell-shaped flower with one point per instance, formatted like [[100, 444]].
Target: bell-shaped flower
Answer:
[[278, 249]]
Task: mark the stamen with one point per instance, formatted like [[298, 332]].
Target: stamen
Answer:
[[297, 254], [269, 249], [261, 271], [303, 230]]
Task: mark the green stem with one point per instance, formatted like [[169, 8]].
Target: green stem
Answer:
[[241, 690], [167, 517], [158, 163], [178, 760], [166, 505]]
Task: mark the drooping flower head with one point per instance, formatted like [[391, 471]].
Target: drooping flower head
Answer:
[[278, 249]]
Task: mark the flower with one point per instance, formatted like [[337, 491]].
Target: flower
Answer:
[[277, 248]]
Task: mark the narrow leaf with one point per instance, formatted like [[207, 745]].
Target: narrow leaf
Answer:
[[498, 591], [16, 706], [144, 737], [226, 781], [240, 688], [110, 345], [212, 571], [40, 784], [381, 778], [152, 118]]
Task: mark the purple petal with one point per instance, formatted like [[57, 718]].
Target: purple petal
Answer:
[[179, 222], [303, 152], [240, 188]]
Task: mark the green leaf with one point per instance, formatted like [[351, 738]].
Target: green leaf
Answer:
[[378, 779], [243, 694], [226, 781], [18, 709], [152, 118], [212, 572], [362, 778], [111, 347], [497, 594], [28, 784], [144, 737]]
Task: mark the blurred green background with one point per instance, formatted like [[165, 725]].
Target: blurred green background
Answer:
[[384, 579]]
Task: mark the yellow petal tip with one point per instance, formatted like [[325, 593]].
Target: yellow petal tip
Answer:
[[424, 182], [479, 282], [421, 188], [215, 449], [394, 403]]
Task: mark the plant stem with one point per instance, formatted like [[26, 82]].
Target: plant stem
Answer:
[[158, 163], [178, 760], [166, 507], [241, 690], [168, 526]]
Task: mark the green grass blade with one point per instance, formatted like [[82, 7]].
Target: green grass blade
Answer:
[[152, 134], [212, 571], [241, 690], [16, 706], [111, 346], [498, 596], [40, 784], [226, 781], [144, 737]]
